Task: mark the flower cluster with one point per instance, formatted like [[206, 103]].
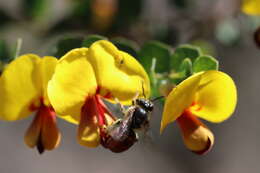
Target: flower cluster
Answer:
[[74, 87], [71, 88]]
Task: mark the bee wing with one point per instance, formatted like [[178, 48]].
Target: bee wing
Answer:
[[122, 130], [146, 141]]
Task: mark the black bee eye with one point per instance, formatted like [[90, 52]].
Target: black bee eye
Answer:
[[145, 104], [149, 106]]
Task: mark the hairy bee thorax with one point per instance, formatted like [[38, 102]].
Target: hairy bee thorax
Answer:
[[121, 135]]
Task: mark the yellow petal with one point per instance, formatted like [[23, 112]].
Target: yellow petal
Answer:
[[46, 68], [88, 130], [196, 136], [70, 119], [251, 7], [179, 99], [216, 97], [73, 81], [19, 88], [118, 74]]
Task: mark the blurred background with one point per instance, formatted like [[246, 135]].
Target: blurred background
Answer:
[[219, 27]]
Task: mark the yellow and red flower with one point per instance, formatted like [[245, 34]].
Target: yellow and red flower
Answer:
[[209, 95], [23, 91], [251, 7], [85, 76]]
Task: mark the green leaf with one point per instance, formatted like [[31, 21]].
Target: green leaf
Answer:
[[66, 44], [204, 63], [128, 13], [182, 52], [186, 67], [185, 70], [34, 8], [157, 51], [91, 39], [1, 67], [5, 55], [181, 4], [126, 45], [82, 9], [207, 48]]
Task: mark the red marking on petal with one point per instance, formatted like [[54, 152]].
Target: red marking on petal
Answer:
[[98, 89], [50, 134], [108, 95], [193, 103], [106, 110], [43, 131], [195, 106], [93, 108], [36, 104], [94, 117], [39, 145], [101, 112], [32, 107], [196, 136]]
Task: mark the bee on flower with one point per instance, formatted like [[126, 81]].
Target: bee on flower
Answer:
[[84, 77]]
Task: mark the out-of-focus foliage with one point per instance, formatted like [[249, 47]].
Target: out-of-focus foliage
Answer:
[[91, 39], [4, 18], [157, 52], [227, 32], [66, 44], [127, 45], [4, 52], [181, 22], [102, 16], [204, 63], [34, 8]]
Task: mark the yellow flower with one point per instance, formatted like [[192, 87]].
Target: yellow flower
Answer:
[[23, 90], [85, 75], [251, 7], [209, 95]]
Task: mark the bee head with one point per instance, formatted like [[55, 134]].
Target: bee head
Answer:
[[145, 104]]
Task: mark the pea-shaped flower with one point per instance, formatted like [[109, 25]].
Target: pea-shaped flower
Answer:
[[23, 91], [251, 7], [209, 95], [86, 75]]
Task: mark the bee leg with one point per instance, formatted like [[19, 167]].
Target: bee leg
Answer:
[[114, 125], [136, 136], [118, 121], [136, 95]]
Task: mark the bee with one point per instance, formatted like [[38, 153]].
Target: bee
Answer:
[[121, 135]]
